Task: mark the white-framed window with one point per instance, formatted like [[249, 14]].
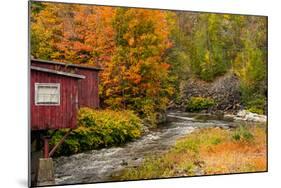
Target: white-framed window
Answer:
[[47, 94]]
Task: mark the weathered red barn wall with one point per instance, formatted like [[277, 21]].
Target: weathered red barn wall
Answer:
[[56, 116], [88, 89], [88, 95]]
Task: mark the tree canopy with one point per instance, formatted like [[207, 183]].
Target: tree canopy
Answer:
[[146, 54]]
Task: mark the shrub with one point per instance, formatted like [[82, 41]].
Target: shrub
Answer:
[[196, 104], [256, 110], [99, 128], [256, 105], [242, 134]]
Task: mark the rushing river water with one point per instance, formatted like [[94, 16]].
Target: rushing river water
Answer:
[[100, 165]]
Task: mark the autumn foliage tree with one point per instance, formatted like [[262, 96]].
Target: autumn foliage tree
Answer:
[[128, 43], [73, 33], [137, 76], [148, 54]]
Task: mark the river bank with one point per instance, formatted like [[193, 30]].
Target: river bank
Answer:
[[108, 164], [207, 151]]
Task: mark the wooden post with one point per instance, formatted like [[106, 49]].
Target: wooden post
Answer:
[[46, 146]]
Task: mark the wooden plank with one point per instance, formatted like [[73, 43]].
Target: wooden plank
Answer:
[[89, 67], [57, 72]]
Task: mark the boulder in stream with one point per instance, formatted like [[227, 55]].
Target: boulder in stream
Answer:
[[244, 115]]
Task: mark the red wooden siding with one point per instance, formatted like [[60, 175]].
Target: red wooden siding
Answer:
[[59, 116], [88, 93], [88, 89]]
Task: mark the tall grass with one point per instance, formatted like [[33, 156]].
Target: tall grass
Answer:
[[210, 151]]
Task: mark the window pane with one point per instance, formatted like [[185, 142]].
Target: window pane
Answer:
[[48, 94]]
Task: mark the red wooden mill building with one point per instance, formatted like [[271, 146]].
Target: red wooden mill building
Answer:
[[57, 91]]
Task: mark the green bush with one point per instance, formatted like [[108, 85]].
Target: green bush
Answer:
[[196, 104], [256, 105], [255, 110], [242, 134], [97, 129]]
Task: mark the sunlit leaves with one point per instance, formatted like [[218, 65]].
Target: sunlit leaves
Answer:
[[148, 54], [137, 76]]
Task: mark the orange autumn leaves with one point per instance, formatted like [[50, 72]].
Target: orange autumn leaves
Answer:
[[130, 44], [77, 33], [138, 72]]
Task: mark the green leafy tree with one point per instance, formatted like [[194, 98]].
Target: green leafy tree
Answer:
[[250, 64], [209, 44]]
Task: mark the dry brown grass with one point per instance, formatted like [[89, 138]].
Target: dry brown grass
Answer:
[[213, 151], [236, 156]]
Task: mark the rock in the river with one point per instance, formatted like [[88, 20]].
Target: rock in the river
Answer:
[[245, 115], [124, 163], [161, 117], [229, 117], [145, 129], [242, 113]]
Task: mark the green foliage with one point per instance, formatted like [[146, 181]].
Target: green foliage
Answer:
[[40, 47], [151, 168], [99, 128], [253, 102], [216, 141], [256, 104], [196, 104], [250, 65], [256, 110], [215, 44], [148, 55], [178, 56], [242, 134], [190, 145], [36, 7], [209, 44]]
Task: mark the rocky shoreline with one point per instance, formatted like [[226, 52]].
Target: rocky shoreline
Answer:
[[224, 91], [244, 115]]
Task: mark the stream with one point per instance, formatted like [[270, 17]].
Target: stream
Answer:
[[100, 165]]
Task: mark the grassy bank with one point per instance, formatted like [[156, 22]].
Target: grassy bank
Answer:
[[208, 151], [97, 129]]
